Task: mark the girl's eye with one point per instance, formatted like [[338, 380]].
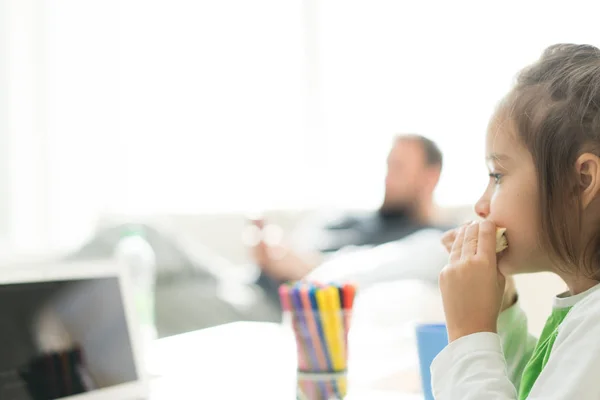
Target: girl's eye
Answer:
[[496, 177]]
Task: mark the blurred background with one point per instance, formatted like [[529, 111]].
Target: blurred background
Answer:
[[188, 116]]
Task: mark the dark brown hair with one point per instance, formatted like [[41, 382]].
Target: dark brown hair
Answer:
[[433, 154], [555, 106]]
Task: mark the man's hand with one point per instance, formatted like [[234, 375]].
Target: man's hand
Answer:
[[276, 260], [281, 263]]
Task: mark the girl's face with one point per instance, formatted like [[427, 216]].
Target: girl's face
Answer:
[[511, 199]]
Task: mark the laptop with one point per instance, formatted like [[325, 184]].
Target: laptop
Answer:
[[68, 331]]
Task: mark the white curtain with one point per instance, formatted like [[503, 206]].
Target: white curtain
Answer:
[[234, 105]]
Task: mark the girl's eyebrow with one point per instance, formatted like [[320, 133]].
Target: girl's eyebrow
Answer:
[[497, 157]]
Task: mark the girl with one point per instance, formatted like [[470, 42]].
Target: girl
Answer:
[[543, 155]]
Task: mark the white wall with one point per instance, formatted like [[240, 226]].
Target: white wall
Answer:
[[4, 125], [24, 137], [197, 107]]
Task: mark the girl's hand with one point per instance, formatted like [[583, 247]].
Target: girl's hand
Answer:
[[449, 236], [510, 292], [471, 285]]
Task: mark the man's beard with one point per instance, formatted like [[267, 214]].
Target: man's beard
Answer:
[[396, 209]]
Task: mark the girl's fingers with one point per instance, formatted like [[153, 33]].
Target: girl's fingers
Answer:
[[486, 246], [456, 251], [469, 247], [448, 239]]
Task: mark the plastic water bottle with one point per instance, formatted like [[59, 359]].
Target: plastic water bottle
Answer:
[[136, 253]]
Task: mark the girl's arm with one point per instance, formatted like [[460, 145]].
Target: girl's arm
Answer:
[[474, 367], [484, 365], [517, 343]]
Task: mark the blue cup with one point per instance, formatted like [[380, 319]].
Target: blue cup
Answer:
[[431, 339]]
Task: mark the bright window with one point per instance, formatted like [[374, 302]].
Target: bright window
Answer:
[[235, 105]]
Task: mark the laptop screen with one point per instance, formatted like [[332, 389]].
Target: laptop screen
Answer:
[[60, 338]]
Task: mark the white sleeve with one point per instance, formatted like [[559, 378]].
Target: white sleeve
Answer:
[[573, 365], [417, 256], [485, 365], [474, 368]]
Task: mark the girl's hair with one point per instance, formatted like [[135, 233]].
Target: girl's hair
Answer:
[[555, 106]]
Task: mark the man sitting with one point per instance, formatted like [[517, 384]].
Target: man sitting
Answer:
[[398, 241]]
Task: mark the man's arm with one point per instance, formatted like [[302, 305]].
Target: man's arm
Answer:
[[418, 256]]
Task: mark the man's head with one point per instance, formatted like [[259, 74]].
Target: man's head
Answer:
[[414, 166]]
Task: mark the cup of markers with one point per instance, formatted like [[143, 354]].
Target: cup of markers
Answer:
[[319, 316]]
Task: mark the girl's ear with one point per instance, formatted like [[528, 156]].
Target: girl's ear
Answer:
[[587, 167]]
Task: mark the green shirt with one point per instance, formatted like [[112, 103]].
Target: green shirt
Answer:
[[542, 351]]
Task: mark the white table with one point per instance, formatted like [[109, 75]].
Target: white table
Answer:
[[257, 361]]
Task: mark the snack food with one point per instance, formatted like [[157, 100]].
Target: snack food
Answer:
[[501, 242]]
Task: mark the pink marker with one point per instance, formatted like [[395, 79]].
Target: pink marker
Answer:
[[284, 296]]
